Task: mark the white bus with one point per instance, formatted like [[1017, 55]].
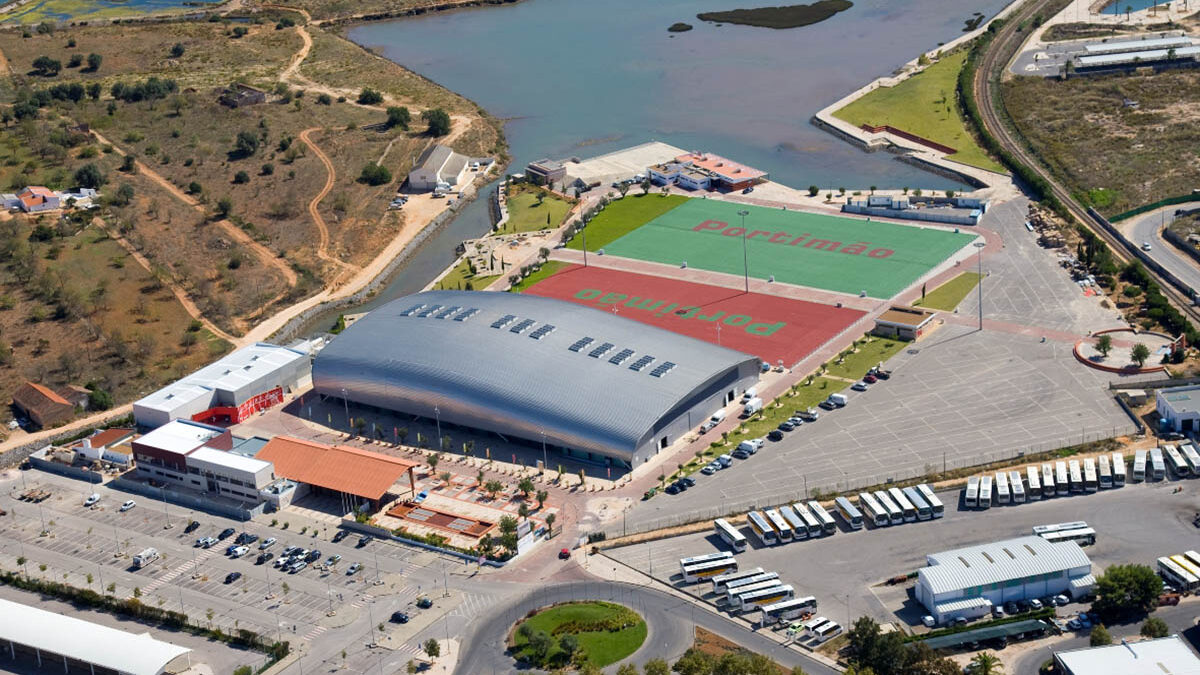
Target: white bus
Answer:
[[1035, 483], [732, 588], [760, 528], [786, 610], [767, 596], [985, 492], [1175, 460], [1176, 575], [707, 557], [1017, 486], [971, 496], [1048, 490], [1039, 530], [799, 527], [895, 515], [730, 535], [1061, 480], [707, 570], [777, 523], [1084, 536], [1139, 466], [1104, 471], [1192, 557], [1076, 475], [1090, 482], [852, 516], [810, 521], [1158, 468], [1118, 469], [875, 514], [721, 581], [1191, 567], [825, 632], [1003, 496], [906, 507], [1192, 457], [935, 505], [918, 501], [828, 525]]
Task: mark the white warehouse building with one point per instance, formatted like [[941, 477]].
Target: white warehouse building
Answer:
[[1179, 407], [968, 582]]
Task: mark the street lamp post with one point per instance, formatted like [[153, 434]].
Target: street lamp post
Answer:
[[437, 413], [346, 406], [979, 245], [545, 457], [745, 252], [165, 512]]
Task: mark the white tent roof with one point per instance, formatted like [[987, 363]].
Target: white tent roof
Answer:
[[85, 641]]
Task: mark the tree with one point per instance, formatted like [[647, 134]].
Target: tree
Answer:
[[1126, 589], [523, 510], [656, 667], [398, 116], [525, 486], [177, 50], [1104, 344], [245, 145], [1140, 353], [645, 187], [1155, 627], [550, 518], [89, 176], [438, 121], [46, 66], [492, 487], [375, 174], [369, 96], [813, 190], [98, 399], [93, 91], [410, 667], [1100, 636], [541, 498], [693, 662], [569, 644], [241, 178], [433, 461], [986, 663], [432, 648], [94, 61], [507, 524], [124, 194], [224, 207], [627, 669], [540, 644], [623, 188]]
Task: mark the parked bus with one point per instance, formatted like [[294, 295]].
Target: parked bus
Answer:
[[1090, 482], [1177, 576], [1192, 557], [895, 515], [935, 505], [1084, 536], [906, 507], [1061, 480], [707, 570], [1039, 530], [918, 501], [1192, 457], [721, 581], [1118, 469], [1104, 472], [1158, 468], [825, 632], [1048, 489], [732, 588], [799, 528], [852, 516], [1016, 486], [730, 535], [1175, 460], [767, 596], [1003, 496], [828, 526], [760, 528], [985, 492], [732, 594], [807, 626], [1191, 567], [971, 497], [786, 610], [810, 521], [1035, 483], [687, 562], [875, 514], [777, 523], [1076, 475]]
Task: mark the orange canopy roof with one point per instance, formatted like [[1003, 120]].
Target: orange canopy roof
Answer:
[[358, 472]]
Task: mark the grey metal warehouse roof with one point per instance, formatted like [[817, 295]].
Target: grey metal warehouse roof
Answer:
[[524, 365], [1000, 561]]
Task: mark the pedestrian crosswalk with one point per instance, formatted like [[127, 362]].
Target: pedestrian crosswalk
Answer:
[[182, 568], [362, 600], [314, 633], [410, 649]]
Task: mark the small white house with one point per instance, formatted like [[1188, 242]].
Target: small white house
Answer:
[[1179, 407]]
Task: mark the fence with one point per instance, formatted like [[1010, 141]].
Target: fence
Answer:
[[1181, 199], [196, 502], [1141, 255], [1180, 243], [851, 485]]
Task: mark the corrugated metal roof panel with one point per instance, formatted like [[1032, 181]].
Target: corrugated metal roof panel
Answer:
[[999, 562]]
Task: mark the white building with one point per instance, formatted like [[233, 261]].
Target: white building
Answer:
[[968, 582], [437, 167], [1179, 407], [230, 390], [1164, 656], [228, 474]]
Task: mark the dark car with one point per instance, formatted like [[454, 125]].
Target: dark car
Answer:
[[341, 534], [263, 557], [673, 489], [226, 533], [564, 554], [424, 602], [247, 538], [364, 540], [687, 482], [775, 435], [313, 556], [191, 527], [399, 617], [787, 426], [748, 190], [232, 577], [880, 374]]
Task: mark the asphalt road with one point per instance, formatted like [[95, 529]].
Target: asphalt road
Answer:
[[1145, 228], [670, 620]]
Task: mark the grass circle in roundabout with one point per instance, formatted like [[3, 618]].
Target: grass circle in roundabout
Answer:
[[599, 633]]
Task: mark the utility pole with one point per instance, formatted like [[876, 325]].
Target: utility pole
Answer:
[[979, 245], [745, 251]]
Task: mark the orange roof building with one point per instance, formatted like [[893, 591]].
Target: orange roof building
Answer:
[[37, 198], [42, 404], [337, 468]]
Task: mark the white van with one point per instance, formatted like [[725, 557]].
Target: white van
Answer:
[[752, 406], [750, 446], [713, 421], [838, 400], [750, 394]]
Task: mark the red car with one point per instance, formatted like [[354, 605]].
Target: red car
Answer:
[[564, 554], [870, 379]]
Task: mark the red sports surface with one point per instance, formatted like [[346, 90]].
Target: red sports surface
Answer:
[[772, 328]]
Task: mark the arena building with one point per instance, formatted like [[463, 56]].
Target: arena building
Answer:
[[592, 384]]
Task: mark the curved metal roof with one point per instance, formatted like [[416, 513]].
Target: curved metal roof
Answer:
[[525, 365]]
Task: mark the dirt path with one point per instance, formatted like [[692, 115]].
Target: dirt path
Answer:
[[322, 229]]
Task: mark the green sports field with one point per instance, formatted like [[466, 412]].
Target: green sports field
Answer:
[[838, 254]]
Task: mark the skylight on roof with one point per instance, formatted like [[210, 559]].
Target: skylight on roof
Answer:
[[580, 344], [601, 350], [662, 369]]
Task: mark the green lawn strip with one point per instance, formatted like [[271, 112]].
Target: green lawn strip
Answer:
[[948, 296], [622, 216], [549, 268], [458, 278], [526, 215], [923, 105], [869, 355], [601, 647]]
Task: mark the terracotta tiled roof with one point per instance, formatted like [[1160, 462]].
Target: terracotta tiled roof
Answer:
[[344, 469], [48, 393], [110, 436]]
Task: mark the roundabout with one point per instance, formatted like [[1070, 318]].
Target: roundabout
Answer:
[[578, 632]]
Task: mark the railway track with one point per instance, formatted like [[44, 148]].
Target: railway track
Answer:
[[993, 61]]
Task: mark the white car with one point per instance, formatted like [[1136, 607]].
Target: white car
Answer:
[[929, 621], [239, 551], [267, 543], [1035, 603], [129, 504], [1145, 246], [859, 386], [91, 499]]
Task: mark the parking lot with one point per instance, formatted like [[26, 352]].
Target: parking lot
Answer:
[[846, 572]]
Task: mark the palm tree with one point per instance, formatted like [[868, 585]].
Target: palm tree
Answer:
[[525, 486], [1128, 12], [433, 462], [986, 663], [541, 497], [550, 518]]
